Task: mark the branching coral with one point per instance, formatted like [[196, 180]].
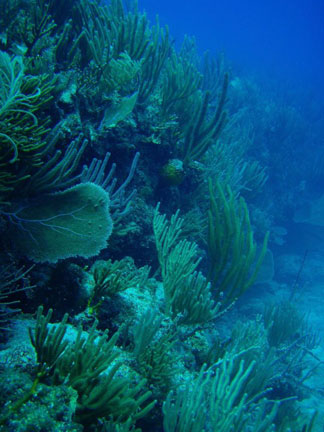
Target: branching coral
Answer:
[[201, 131], [110, 278], [88, 365], [232, 251], [117, 37], [181, 80], [211, 403], [21, 130], [187, 293], [11, 283], [154, 354]]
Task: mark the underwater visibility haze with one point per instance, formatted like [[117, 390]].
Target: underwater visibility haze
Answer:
[[285, 38], [161, 216]]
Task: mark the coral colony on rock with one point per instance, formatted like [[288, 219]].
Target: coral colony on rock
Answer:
[[143, 207]]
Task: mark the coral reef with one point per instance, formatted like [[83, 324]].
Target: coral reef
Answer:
[[133, 229]]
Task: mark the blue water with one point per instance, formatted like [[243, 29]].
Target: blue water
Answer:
[[285, 38]]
